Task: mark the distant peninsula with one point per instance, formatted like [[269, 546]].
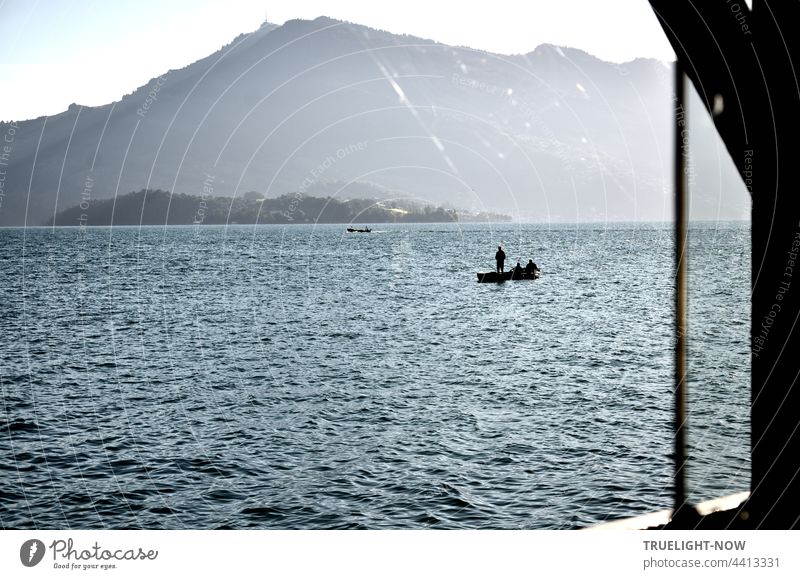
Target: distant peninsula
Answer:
[[157, 207]]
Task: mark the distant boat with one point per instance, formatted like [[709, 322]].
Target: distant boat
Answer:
[[494, 277], [354, 230]]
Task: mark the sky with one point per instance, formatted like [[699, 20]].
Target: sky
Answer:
[[92, 52]]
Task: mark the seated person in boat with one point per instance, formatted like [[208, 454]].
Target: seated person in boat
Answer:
[[518, 270], [531, 267]]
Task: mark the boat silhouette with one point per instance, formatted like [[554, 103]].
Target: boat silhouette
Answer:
[[497, 277]]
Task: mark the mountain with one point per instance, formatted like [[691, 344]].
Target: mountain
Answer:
[[333, 108]]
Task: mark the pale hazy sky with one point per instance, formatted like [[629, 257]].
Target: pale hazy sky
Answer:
[[56, 52]]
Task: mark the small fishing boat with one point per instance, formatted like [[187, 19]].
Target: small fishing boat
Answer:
[[358, 230], [494, 277]]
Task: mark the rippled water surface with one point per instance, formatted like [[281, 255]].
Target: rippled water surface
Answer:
[[303, 377]]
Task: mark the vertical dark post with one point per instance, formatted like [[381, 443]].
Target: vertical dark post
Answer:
[[681, 144], [747, 58]]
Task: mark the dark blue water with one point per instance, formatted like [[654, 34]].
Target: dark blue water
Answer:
[[303, 377]]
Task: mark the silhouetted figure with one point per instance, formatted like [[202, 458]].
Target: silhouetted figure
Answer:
[[500, 256], [518, 271], [531, 268]]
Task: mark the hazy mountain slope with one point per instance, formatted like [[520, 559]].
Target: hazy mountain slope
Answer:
[[335, 108]]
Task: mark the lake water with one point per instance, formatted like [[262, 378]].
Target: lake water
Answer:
[[304, 377]]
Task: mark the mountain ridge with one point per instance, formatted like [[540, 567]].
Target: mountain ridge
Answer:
[[553, 134]]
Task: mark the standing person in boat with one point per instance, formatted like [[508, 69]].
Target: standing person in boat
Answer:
[[531, 267], [518, 271], [500, 256]]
